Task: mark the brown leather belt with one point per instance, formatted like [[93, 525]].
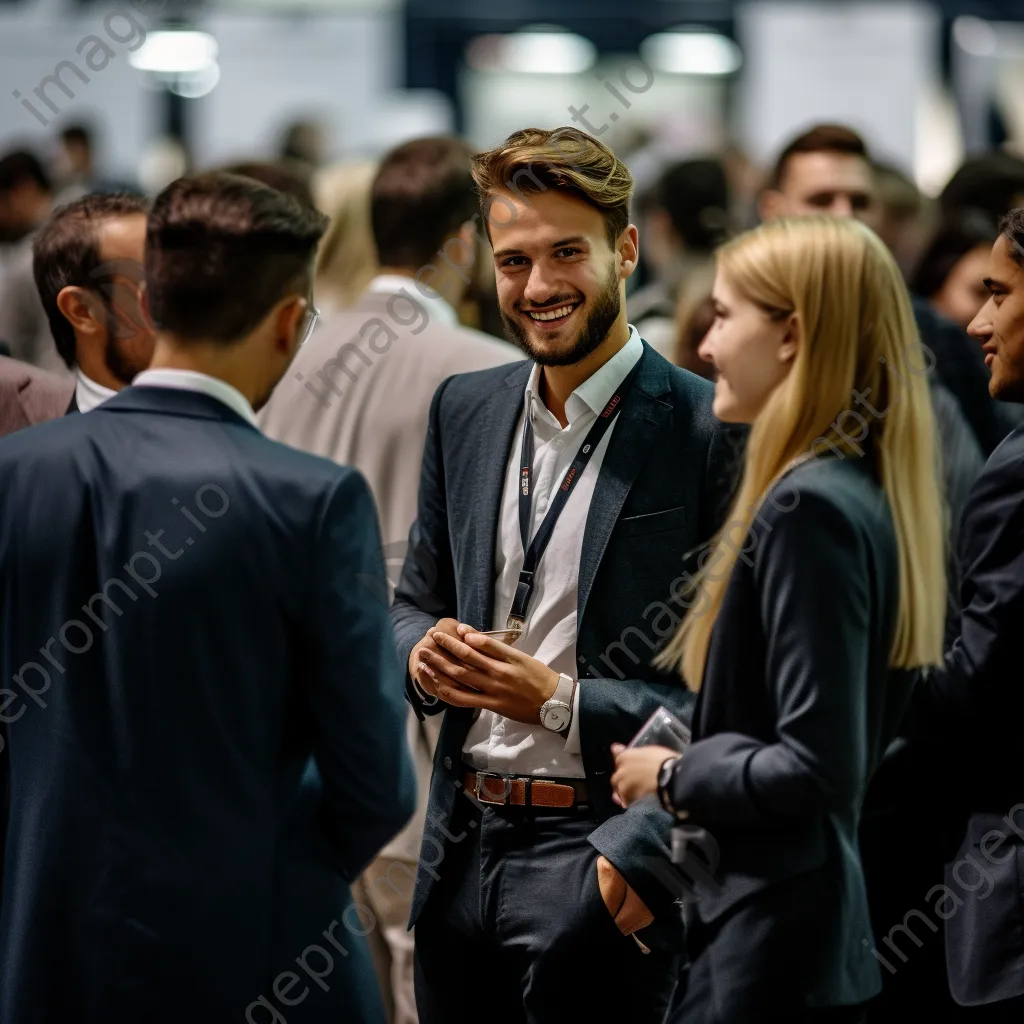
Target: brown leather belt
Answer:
[[524, 790]]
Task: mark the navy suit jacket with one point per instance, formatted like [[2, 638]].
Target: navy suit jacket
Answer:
[[973, 708], [203, 722], [797, 707], [663, 486]]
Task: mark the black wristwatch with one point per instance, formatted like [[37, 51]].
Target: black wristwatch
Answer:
[[664, 780]]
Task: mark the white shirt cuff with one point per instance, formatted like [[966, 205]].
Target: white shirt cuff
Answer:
[[565, 693]]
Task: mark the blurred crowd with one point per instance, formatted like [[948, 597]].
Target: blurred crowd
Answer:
[[692, 206], [409, 213]]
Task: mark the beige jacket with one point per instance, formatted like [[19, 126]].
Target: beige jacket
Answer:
[[29, 395]]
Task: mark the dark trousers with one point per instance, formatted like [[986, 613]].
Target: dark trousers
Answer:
[[516, 931]]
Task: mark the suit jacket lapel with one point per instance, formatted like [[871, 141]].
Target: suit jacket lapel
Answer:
[[486, 479], [638, 424]]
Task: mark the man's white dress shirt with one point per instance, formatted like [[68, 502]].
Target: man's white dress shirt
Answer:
[[89, 394], [495, 743]]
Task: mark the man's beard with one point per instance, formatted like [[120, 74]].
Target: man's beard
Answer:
[[604, 313], [122, 366]]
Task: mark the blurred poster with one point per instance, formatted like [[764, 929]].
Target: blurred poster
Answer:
[[872, 66]]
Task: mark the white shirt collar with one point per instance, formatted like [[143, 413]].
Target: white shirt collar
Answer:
[[433, 302], [192, 380], [595, 392], [89, 394]]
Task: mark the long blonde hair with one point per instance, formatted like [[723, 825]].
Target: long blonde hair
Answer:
[[347, 260], [856, 332]]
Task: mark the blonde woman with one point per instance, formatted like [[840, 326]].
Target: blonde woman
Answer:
[[826, 581], [347, 259]]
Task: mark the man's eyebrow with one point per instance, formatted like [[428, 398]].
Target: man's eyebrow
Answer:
[[501, 253], [575, 240]]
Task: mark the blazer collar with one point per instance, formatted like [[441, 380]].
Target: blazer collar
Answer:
[[173, 402]]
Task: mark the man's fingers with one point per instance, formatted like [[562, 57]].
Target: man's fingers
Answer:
[[439, 658], [458, 696], [463, 651], [459, 672], [491, 646]]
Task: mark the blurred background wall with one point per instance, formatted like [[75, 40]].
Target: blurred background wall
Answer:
[[927, 82]]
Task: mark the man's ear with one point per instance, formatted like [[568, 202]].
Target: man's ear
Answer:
[[769, 205], [629, 251], [288, 321], [78, 306]]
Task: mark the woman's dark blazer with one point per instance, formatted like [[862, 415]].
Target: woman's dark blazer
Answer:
[[796, 709]]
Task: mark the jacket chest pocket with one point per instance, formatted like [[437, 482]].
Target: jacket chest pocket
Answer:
[[653, 522]]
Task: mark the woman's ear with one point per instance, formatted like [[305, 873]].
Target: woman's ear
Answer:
[[791, 340]]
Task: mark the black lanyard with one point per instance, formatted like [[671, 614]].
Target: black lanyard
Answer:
[[534, 549]]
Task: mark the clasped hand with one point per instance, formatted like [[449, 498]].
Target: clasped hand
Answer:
[[465, 669]]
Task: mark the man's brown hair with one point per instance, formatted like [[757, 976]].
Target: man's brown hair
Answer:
[[822, 138], [422, 193], [534, 160], [222, 250]]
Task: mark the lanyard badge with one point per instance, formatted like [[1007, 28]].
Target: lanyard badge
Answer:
[[534, 550]]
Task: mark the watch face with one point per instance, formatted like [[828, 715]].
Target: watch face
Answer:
[[556, 717]]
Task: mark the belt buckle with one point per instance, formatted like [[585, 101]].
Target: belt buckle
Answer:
[[506, 788]]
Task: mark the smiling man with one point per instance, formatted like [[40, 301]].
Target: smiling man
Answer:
[[975, 703], [557, 501]]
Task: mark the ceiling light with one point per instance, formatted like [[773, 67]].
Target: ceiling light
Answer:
[[687, 51], [175, 52], [193, 84], [536, 49]]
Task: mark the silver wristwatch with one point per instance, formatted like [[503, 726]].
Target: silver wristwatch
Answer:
[[556, 713]]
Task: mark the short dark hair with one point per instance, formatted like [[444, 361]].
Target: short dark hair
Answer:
[[950, 243], [285, 178], [822, 138], [1012, 225], [695, 194], [991, 183], [422, 193], [65, 253], [20, 166], [221, 250]]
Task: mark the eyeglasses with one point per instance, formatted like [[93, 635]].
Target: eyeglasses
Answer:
[[312, 319]]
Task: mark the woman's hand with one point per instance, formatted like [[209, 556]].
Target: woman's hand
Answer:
[[636, 771]]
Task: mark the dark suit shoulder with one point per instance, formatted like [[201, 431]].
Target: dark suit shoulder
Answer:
[[1008, 458], [994, 504], [288, 463], [62, 441], [696, 396], [476, 386], [829, 491]]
